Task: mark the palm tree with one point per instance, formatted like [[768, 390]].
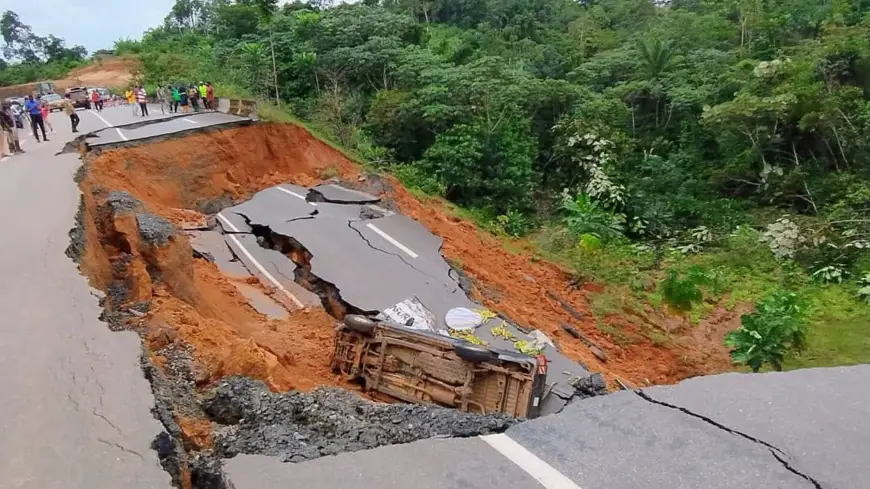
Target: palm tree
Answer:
[[656, 56]]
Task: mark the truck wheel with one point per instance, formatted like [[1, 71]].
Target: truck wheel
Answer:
[[360, 324], [473, 353]]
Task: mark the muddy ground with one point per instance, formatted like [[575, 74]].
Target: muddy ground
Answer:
[[229, 380]]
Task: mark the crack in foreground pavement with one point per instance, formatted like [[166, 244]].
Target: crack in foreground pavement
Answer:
[[777, 453]]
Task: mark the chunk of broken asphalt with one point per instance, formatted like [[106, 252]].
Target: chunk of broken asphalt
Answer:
[[120, 201], [154, 229], [591, 386], [299, 426]]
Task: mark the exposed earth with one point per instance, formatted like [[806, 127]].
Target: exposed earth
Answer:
[[212, 378], [184, 180]]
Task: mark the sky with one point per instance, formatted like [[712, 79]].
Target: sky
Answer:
[[94, 24]]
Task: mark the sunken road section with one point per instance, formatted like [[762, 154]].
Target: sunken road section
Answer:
[[214, 385]]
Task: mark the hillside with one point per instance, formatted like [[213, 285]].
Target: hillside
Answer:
[[701, 165]]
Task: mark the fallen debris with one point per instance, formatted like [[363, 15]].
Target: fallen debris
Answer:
[[593, 348], [299, 426]]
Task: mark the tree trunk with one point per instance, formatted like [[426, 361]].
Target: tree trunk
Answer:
[[274, 67]]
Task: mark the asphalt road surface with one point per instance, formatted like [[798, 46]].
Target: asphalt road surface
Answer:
[[798, 430], [74, 412], [74, 409]]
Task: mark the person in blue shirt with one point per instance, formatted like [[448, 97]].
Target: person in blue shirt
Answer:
[[33, 107]]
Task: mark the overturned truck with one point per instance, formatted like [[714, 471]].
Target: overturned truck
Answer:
[[423, 367]]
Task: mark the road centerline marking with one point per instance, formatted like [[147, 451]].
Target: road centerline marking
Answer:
[[185, 119], [294, 194], [392, 240], [257, 264], [107, 123], [541, 471]]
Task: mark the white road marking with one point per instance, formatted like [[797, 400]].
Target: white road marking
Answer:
[[392, 240], [107, 123], [190, 120], [294, 194], [541, 471], [262, 270]]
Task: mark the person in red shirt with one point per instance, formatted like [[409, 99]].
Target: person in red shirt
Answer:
[[96, 103], [209, 96], [45, 111]]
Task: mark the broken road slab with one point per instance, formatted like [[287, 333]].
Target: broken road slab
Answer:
[[170, 126], [330, 192], [368, 278], [262, 302], [213, 246], [467, 463], [270, 266], [818, 418], [269, 207], [621, 441]]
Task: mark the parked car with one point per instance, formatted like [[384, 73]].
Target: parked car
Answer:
[[104, 93], [79, 97], [54, 101], [425, 367], [18, 112]]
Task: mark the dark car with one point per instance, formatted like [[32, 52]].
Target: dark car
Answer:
[[79, 97]]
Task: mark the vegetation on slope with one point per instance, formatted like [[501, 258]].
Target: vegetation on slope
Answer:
[[686, 154]]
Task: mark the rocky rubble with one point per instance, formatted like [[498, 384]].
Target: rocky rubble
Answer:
[[303, 426]]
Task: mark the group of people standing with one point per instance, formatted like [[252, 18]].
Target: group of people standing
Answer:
[[187, 98], [37, 113], [193, 98]]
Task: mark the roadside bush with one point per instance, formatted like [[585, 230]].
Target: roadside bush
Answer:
[[414, 177], [864, 288], [682, 291], [584, 216], [775, 327], [514, 223]]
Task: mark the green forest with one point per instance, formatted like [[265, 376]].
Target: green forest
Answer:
[[687, 155], [27, 57]]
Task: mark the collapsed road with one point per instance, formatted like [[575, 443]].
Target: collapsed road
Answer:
[[232, 362], [372, 260]]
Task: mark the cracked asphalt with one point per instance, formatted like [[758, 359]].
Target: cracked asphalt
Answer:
[[806, 429], [376, 259], [75, 409]]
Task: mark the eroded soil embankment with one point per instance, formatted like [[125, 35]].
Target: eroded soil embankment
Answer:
[[207, 351], [206, 173]]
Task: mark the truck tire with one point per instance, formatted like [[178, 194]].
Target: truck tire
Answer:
[[473, 353], [360, 324]]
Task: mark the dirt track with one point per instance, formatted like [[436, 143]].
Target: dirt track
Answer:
[[109, 72]]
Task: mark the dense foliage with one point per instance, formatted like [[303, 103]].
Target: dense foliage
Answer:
[[637, 134], [28, 57]]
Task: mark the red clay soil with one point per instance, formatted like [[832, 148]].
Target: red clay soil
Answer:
[[194, 303], [187, 173], [230, 338], [517, 285]]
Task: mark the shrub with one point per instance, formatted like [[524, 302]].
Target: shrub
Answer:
[[582, 216], [414, 177], [682, 291], [776, 326], [513, 223], [864, 288]]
